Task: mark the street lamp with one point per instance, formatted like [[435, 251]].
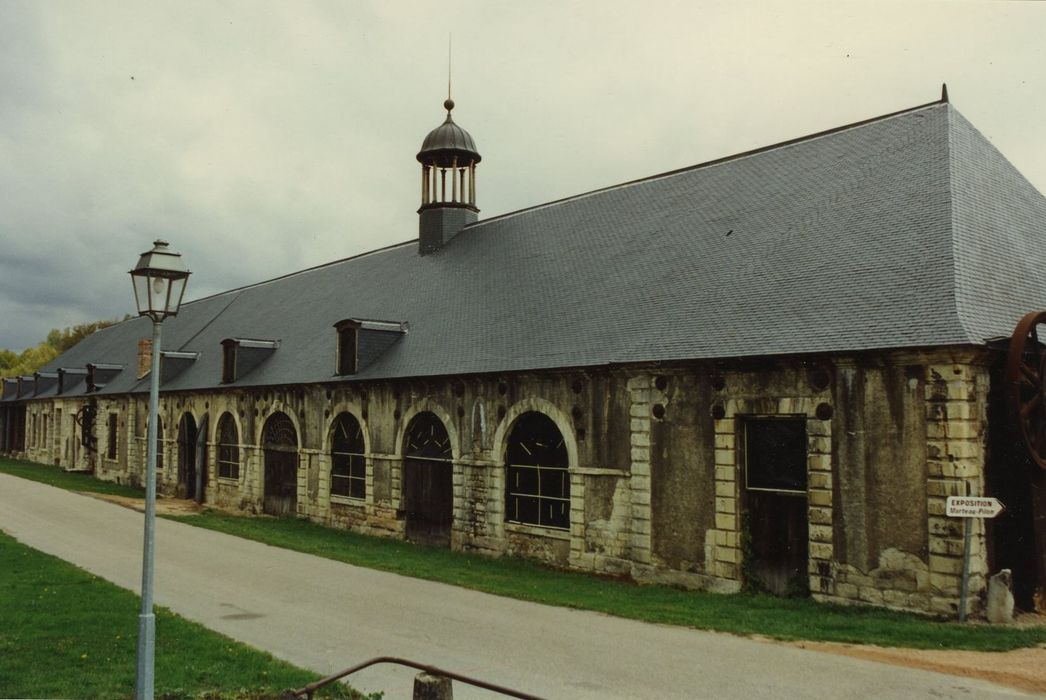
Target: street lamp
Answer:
[[159, 283]]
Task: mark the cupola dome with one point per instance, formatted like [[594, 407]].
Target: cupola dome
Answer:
[[448, 145]]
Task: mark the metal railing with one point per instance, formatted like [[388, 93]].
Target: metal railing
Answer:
[[308, 690]]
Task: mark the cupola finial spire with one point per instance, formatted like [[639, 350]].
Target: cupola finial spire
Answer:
[[449, 104], [448, 158]]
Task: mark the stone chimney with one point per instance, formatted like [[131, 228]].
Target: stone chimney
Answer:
[[145, 356]]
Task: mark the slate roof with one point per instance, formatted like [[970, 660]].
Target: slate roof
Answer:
[[907, 230]]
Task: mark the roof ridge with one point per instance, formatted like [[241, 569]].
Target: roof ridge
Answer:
[[958, 301], [710, 163]]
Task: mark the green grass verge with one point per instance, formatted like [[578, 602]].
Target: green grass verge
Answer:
[[70, 481], [67, 633], [779, 618]]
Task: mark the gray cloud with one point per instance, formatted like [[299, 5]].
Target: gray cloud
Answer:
[[264, 137]]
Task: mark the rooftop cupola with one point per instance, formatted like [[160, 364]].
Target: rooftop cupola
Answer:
[[448, 158]]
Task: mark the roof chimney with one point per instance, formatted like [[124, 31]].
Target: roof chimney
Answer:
[[145, 356]]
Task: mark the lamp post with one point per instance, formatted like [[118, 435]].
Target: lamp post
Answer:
[[159, 283]]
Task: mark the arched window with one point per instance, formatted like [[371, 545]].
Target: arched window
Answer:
[[228, 448], [348, 463], [537, 487]]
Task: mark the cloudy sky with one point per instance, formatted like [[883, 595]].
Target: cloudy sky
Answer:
[[260, 138]]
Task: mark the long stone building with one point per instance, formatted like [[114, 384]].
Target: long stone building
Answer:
[[768, 370]]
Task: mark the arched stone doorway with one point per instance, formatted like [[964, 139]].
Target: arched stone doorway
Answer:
[[428, 485], [280, 444], [189, 482]]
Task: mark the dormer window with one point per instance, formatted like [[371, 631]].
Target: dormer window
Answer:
[[70, 377], [228, 361], [240, 356], [98, 375], [348, 346], [362, 341], [173, 363]]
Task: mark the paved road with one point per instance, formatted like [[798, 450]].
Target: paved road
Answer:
[[325, 615]]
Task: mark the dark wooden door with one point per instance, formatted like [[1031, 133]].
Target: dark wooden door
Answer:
[[428, 482], [779, 536], [775, 524], [187, 456], [280, 442], [428, 500], [281, 482]]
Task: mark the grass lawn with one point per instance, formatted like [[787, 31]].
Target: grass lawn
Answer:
[[67, 633], [779, 618], [71, 481]]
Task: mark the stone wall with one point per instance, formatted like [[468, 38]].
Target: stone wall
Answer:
[[656, 463]]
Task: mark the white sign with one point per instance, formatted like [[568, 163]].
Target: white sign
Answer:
[[973, 507]]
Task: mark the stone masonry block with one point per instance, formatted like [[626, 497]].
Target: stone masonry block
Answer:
[[953, 429], [846, 590], [726, 505], [641, 439], [725, 426], [819, 462], [726, 554], [641, 381], [725, 521], [639, 498], [955, 390], [818, 428], [945, 565], [945, 583], [820, 516], [821, 550], [725, 457], [821, 533], [820, 480], [870, 595], [952, 450], [935, 505], [942, 467], [725, 569], [945, 487], [725, 441], [819, 445], [725, 473], [725, 489], [951, 410], [820, 497]]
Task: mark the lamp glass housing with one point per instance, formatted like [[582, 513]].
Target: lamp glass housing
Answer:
[[159, 282]]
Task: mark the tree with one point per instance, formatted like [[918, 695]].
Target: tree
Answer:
[[14, 364]]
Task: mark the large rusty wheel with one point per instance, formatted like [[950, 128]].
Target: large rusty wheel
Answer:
[[1026, 384]]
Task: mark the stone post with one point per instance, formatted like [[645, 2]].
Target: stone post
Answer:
[[427, 687]]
